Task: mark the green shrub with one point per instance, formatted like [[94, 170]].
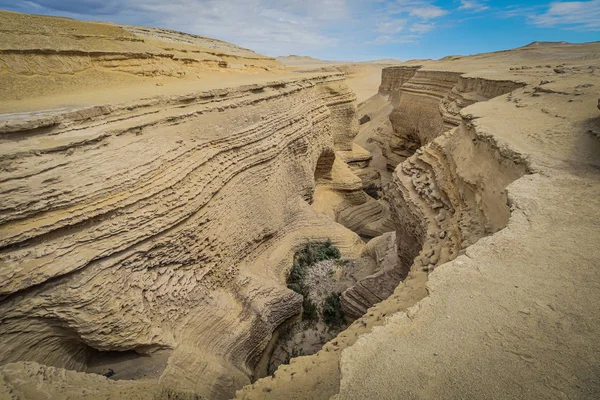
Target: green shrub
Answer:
[[295, 353], [325, 251], [309, 310], [311, 254], [306, 258], [332, 310], [299, 288], [303, 260]]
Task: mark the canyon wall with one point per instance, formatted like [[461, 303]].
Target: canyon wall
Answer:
[[503, 198], [439, 203], [154, 236], [166, 227], [437, 195], [428, 102], [495, 177]]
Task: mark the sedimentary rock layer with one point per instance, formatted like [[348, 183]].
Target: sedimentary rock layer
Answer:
[[512, 307], [167, 224], [500, 317], [40, 55], [440, 204], [427, 103]]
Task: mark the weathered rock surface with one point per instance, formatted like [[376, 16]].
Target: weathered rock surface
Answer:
[[30, 380], [439, 203], [500, 318], [515, 302], [167, 224], [162, 229]]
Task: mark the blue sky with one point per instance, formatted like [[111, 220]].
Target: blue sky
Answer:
[[348, 29]]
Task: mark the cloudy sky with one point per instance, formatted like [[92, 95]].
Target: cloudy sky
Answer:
[[348, 29]]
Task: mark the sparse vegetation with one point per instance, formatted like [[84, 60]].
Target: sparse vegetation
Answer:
[[315, 252], [295, 353], [333, 315], [295, 280], [309, 310], [301, 279], [306, 258], [303, 260]]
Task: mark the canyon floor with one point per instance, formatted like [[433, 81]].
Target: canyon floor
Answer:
[[156, 186]]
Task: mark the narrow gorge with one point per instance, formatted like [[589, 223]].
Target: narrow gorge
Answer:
[[267, 236]]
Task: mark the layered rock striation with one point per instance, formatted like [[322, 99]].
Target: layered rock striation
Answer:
[[439, 203], [427, 103], [493, 178], [49, 55], [166, 225]]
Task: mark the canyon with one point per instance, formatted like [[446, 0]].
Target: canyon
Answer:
[[156, 187]]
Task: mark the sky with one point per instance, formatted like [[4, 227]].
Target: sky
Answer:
[[349, 30]]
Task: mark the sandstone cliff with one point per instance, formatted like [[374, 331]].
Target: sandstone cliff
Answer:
[[475, 148], [158, 232], [495, 321], [165, 225], [153, 233]]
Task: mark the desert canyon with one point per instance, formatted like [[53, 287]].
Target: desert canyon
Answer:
[[158, 190]]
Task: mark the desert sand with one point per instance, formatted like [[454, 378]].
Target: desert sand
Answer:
[[156, 185]]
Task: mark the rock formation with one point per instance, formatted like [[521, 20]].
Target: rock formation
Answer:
[[50, 55], [164, 227], [477, 160], [151, 232]]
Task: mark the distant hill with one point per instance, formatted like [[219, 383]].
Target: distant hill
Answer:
[[384, 61], [300, 60], [295, 60]]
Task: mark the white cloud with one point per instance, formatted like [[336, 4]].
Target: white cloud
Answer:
[[582, 15], [388, 39], [270, 27], [427, 11], [472, 5], [412, 15], [391, 26], [517, 11], [417, 8], [322, 28], [422, 28]]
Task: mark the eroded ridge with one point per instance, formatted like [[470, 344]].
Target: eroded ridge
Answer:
[[42, 55], [167, 225], [154, 237], [471, 154]]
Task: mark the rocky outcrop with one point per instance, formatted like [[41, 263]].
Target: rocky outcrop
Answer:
[[503, 200], [167, 224], [439, 205], [394, 77], [495, 316], [378, 286], [427, 103], [56, 383]]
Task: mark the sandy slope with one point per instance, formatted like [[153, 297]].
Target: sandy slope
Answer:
[[517, 315], [50, 62]]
